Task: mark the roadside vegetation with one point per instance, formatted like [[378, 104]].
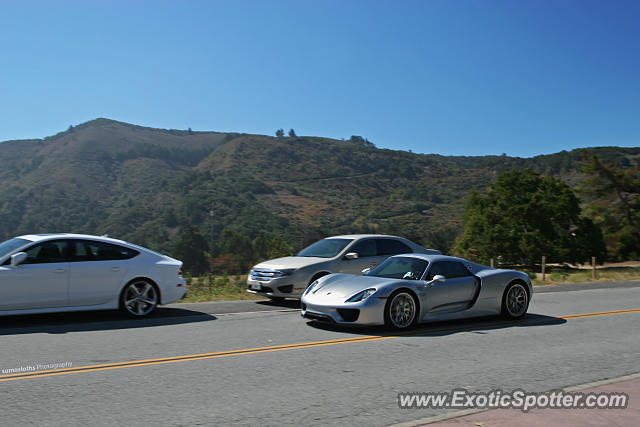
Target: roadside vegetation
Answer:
[[227, 288], [217, 288], [568, 275]]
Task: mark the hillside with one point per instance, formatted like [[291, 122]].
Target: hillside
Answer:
[[144, 185]]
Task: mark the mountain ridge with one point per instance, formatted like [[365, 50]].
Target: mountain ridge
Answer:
[[145, 184]]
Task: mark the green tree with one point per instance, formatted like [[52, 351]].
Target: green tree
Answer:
[[190, 248], [524, 216], [280, 133], [259, 245], [237, 244], [292, 133], [617, 209], [278, 247]]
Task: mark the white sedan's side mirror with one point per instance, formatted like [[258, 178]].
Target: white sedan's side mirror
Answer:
[[366, 270], [351, 255], [18, 258]]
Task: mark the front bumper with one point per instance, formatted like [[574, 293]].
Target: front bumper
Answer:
[[367, 312], [282, 287]]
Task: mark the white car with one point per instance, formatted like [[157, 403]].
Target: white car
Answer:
[[288, 277], [47, 273]]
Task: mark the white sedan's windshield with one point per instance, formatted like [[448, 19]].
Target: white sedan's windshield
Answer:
[[325, 248], [9, 246], [407, 268]]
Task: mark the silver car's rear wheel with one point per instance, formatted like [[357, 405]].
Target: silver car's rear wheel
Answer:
[[515, 301], [139, 298], [401, 310]]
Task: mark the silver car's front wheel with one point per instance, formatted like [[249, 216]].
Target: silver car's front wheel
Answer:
[[515, 301], [139, 298], [401, 310]]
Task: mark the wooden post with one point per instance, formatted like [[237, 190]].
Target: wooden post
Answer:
[[491, 262], [544, 261], [594, 275]]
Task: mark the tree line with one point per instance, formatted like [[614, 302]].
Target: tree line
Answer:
[[522, 216]]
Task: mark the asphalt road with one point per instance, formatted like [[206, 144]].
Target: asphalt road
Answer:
[[301, 373]]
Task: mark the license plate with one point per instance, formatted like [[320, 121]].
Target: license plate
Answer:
[[255, 286]]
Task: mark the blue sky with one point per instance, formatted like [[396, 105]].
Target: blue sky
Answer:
[[454, 77]]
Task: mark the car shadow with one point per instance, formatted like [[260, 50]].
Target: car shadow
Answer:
[[474, 325], [103, 320]]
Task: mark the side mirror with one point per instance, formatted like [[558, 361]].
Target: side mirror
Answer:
[[437, 278], [18, 258], [366, 270], [351, 255]]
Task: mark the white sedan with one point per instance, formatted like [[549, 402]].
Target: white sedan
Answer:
[[46, 273]]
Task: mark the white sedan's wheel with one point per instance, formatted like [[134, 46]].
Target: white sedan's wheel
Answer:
[[515, 301], [139, 298], [401, 310]]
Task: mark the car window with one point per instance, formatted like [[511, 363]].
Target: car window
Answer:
[[392, 247], [407, 268], [365, 248], [47, 252], [325, 248], [88, 250], [448, 269], [11, 245]]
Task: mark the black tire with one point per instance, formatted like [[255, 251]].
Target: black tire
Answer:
[[515, 301], [402, 310], [139, 298]]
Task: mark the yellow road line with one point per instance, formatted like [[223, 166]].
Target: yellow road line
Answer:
[[603, 313], [257, 350]]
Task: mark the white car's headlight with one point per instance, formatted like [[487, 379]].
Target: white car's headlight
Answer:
[[310, 288], [363, 295]]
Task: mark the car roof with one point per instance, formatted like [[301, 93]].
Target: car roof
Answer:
[[432, 258], [51, 236], [360, 236]]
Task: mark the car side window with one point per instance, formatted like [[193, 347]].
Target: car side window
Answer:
[[456, 269], [392, 247], [47, 252], [448, 269], [86, 250], [365, 248], [437, 268]]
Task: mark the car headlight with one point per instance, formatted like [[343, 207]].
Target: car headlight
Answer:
[[363, 295], [286, 272], [310, 288]]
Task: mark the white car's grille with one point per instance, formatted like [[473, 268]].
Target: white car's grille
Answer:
[[264, 274]]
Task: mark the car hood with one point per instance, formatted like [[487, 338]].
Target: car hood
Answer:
[[336, 288], [290, 262]]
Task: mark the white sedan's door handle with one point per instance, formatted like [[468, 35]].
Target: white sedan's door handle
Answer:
[[115, 268], [59, 270]]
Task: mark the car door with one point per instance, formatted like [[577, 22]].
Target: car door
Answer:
[[455, 293], [41, 281], [367, 250], [97, 270]]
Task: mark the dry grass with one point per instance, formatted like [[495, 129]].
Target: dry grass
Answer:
[[218, 288], [227, 288], [576, 276]]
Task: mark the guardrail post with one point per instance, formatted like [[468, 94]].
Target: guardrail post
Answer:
[[544, 262], [594, 274], [491, 262]]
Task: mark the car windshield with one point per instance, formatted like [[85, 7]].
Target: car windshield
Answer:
[[407, 268], [325, 248], [9, 246]]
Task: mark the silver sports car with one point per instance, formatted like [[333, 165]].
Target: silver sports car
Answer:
[[412, 288]]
